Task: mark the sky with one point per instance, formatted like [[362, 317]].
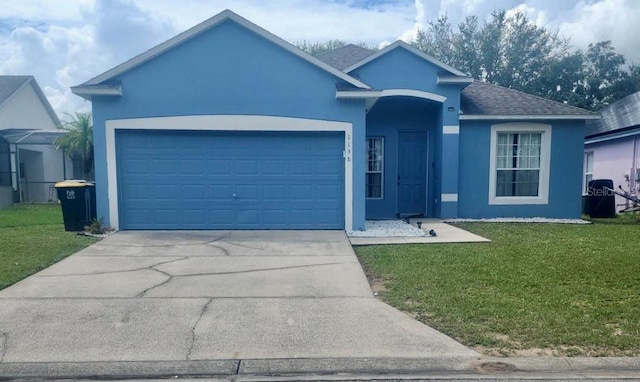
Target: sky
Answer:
[[66, 42]]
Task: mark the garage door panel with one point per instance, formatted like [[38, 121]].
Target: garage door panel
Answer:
[[279, 180]]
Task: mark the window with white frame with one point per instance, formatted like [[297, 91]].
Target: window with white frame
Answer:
[[520, 154], [588, 170], [375, 165]]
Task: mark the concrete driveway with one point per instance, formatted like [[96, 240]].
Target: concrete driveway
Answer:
[[205, 295]]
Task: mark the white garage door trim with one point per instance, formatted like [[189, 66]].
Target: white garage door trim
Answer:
[[225, 123]]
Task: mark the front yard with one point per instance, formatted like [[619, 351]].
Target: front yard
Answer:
[[32, 237], [537, 289]]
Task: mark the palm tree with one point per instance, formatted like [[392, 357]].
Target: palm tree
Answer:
[[78, 141]]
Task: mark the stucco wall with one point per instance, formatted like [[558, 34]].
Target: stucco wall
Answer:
[[24, 110], [564, 178], [229, 70], [402, 69], [387, 120], [615, 158]]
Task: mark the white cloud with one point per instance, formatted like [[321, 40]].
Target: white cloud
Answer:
[[537, 16], [418, 24], [64, 43], [615, 20]]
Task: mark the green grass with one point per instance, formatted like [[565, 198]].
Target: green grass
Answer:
[[32, 237], [536, 289]]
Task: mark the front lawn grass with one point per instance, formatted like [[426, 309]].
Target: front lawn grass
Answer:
[[552, 289], [32, 237]]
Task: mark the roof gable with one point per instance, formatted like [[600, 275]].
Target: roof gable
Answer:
[[482, 100], [93, 86], [403, 45], [11, 85]]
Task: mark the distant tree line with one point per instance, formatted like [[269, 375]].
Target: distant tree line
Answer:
[[511, 51]]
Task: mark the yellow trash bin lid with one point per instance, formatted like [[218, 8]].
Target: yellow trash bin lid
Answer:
[[74, 183]]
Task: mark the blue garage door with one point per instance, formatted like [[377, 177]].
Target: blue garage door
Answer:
[[230, 180]]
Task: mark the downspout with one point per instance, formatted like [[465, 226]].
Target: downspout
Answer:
[[64, 165], [18, 175], [634, 179]]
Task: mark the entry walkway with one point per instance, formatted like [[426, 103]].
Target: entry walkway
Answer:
[[444, 233]]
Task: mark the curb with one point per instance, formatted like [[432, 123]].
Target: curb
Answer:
[[484, 368]]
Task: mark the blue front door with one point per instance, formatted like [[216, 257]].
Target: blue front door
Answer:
[[412, 173]]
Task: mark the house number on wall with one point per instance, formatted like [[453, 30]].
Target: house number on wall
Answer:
[[348, 148]]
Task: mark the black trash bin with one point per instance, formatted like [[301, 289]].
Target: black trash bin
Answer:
[[601, 199], [78, 201]]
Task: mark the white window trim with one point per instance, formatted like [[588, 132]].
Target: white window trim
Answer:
[[584, 170], [225, 123], [381, 172], [545, 163]]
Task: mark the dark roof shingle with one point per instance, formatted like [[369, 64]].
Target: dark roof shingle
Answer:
[[482, 98], [622, 114], [346, 56]]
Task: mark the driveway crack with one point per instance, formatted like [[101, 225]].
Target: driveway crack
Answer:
[[252, 247], [193, 329], [150, 267], [224, 250], [169, 278], [260, 270]]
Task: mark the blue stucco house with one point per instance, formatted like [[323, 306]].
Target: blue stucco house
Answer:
[[227, 126]]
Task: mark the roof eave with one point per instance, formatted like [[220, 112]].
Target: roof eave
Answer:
[[611, 135], [210, 23], [454, 80], [527, 117], [87, 92]]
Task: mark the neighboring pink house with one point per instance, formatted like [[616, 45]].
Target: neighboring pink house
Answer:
[[612, 147]]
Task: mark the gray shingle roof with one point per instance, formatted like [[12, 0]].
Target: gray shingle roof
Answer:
[[621, 114], [346, 56], [481, 98], [10, 84]]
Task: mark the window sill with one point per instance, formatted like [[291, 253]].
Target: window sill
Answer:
[[518, 200]]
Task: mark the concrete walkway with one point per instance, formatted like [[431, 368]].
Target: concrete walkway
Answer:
[[208, 295], [446, 233]]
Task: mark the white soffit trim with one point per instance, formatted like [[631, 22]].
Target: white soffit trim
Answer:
[[536, 117], [391, 93], [417, 52], [355, 94], [453, 129], [202, 27], [455, 80], [226, 123], [87, 92], [449, 198]]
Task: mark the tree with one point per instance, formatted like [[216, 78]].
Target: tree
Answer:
[[78, 141], [605, 77], [510, 50], [316, 48]]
